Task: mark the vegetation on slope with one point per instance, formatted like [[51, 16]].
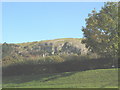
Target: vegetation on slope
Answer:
[[57, 64], [37, 50]]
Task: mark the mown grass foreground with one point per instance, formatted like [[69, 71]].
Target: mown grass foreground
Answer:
[[99, 78]]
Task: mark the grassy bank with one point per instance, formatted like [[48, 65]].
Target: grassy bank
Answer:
[[99, 78]]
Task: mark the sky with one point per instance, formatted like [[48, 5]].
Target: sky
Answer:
[[36, 21]]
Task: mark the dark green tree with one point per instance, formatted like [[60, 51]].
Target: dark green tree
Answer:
[[101, 31], [6, 49]]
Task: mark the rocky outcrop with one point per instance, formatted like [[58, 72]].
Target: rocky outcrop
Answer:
[[48, 47]]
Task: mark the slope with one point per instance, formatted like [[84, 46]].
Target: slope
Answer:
[[100, 78]]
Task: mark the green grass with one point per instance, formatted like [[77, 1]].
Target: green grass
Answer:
[[100, 78]]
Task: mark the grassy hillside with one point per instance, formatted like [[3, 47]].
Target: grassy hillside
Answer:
[[59, 63], [101, 78], [36, 50]]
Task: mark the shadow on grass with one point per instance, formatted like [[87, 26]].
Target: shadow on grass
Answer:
[[40, 78], [67, 66]]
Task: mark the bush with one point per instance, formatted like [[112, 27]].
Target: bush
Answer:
[[56, 64]]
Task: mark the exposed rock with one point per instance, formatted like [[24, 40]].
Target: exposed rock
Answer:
[[49, 47]]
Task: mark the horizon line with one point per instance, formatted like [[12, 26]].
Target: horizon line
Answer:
[[39, 40]]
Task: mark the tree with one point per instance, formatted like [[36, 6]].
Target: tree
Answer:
[[101, 31], [7, 49]]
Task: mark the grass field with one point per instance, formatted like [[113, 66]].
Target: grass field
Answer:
[[99, 78]]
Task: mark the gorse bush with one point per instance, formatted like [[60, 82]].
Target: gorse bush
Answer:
[[47, 59], [54, 59], [36, 60]]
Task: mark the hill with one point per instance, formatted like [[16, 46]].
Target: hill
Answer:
[[50, 56], [34, 50], [101, 78], [59, 63]]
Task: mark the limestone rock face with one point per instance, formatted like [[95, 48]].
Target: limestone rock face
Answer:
[[48, 47]]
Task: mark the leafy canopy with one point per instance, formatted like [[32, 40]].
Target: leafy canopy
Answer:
[[101, 31]]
